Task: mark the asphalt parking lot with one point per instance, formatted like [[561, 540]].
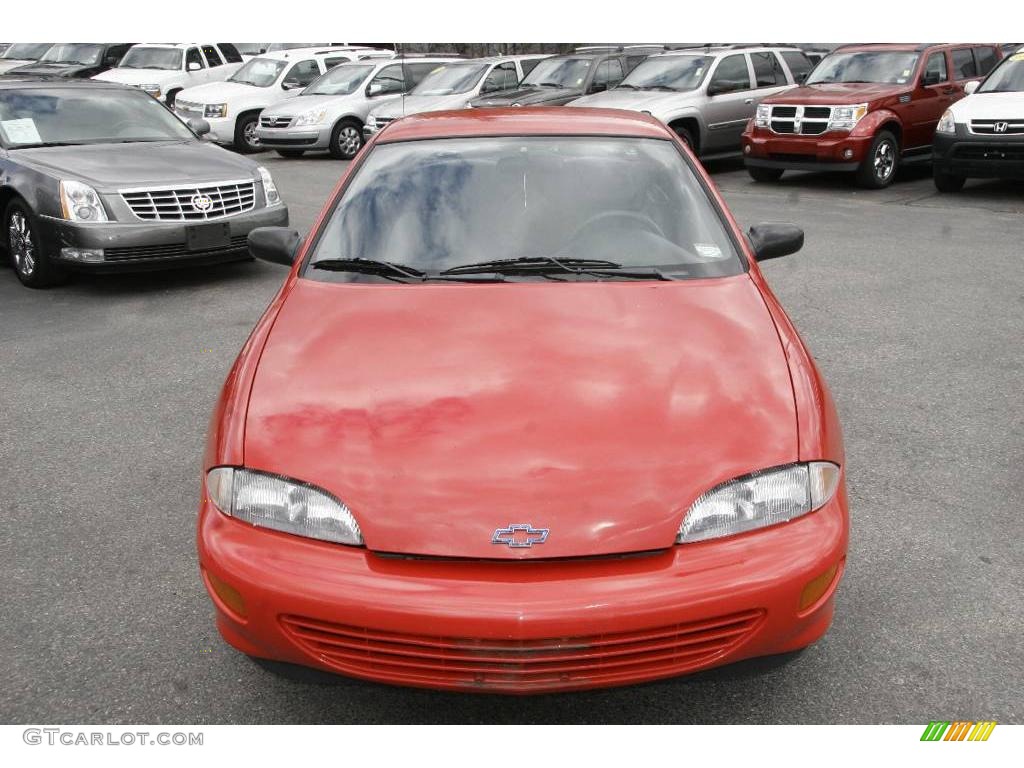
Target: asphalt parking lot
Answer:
[[912, 302]]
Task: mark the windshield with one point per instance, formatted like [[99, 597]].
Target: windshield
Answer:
[[60, 116], [438, 204], [560, 73], [339, 81], [152, 58], [26, 51], [895, 67], [294, 46], [259, 72], [87, 54], [450, 78], [1007, 77], [668, 73]]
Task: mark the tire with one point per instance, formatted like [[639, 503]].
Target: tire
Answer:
[[765, 175], [21, 239], [291, 152], [687, 138], [346, 139], [169, 99], [246, 141], [947, 182], [878, 169]]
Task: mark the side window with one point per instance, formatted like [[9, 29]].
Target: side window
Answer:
[[212, 56], [633, 61], [935, 69], [963, 64], [303, 73], [116, 52], [528, 65], [730, 75], [985, 58], [388, 80], [231, 54], [416, 72], [333, 61], [799, 65], [501, 77], [193, 60], [608, 75], [767, 71]]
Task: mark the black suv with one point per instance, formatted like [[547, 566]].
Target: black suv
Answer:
[[560, 79], [77, 60]]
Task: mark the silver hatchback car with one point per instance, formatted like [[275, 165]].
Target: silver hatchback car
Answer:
[[330, 112], [707, 95]]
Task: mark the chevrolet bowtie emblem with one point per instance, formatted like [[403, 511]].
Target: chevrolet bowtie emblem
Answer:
[[520, 535]]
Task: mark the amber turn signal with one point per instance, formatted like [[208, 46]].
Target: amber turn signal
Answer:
[[227, 594], [817, 587]]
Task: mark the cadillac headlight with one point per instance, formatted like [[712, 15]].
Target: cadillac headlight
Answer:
[[946, 123], [846, 118], [215, 110], [79, 202], [758, 500], [270, 192], [269, 501], [764, 113], [315, 117]]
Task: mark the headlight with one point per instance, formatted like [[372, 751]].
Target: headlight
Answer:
[[215, 110], [371, 121], [269, 501], [946, 123], [79, 202], [845, 118], [311, 118], [269, 188], [759, 500], [764, 113], [153, 89]]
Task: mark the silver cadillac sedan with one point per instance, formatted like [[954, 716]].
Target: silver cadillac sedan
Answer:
[[103, 177]]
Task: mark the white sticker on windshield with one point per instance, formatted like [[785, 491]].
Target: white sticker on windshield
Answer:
[[21, 131], [708, 250]]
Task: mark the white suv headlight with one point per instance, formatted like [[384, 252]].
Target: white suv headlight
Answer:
[[79, 202], [311, 118], [764, 112], [846, 118], [269, 188], [947, 124], [759, 500], [269, 501]]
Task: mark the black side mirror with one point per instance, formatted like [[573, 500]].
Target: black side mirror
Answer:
[[598, 87], [930, 78], [199, 126], [770, 241], [278, 245]]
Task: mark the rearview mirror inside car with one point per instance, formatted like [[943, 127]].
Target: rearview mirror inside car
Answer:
[[278, 245], [770, 241], [971, 87]]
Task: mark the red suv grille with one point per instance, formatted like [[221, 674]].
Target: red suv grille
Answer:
[[520, 665]]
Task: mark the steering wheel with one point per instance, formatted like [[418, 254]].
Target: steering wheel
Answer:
[[602, 220]]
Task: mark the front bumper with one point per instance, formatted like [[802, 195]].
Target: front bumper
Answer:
[[521, 627], [314, 137], [979, 156], [830, 151], [151, 245]]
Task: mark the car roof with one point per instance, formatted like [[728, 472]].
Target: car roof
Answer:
[[294, 53], [525, 121], [171, 45]]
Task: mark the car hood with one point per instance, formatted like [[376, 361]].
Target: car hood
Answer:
[[625, 98], [39, 69], [598, 411], [990, 106], [838, 93], [109, 167], [6, 65], [219, 92], [412, 105], [136, 76], [300, 104], [527, 97]]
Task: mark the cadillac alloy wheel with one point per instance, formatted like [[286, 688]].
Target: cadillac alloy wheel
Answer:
[[22, 244]]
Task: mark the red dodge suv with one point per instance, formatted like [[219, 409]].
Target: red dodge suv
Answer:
[[864, 108]]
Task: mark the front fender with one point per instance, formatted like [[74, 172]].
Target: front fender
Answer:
[[872, 121]]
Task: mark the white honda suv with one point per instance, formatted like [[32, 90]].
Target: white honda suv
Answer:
[[232, 108], [165, 70]]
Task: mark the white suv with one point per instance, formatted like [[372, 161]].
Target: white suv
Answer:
[[330, 113], [232, 108], [163, 71]]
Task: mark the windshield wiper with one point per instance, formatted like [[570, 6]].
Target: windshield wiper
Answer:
[[545, 264], [549, 84], [387, 269]]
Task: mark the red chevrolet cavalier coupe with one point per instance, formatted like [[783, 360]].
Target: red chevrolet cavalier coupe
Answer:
[[524, 417]]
